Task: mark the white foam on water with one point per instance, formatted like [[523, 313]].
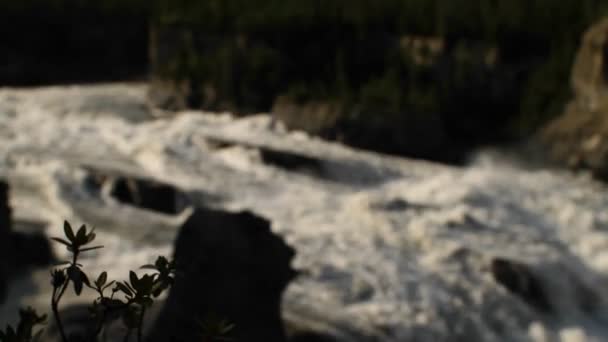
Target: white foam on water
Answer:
[[392, 249]]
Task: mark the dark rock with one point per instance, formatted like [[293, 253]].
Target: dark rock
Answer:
[[231, 266], [400, 204], [520, 280], [147, 194], [5, 233], [143, 193], [18, 250], [31, 249], [292, 161]]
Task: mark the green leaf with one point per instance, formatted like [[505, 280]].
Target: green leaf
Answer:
[[91, 236], [62, 241], [67, 229], [84, 278], [133, 279], [77, 286], [101, 280], [124, 289], [81, 236], [108, 285], [90, 248], [58, 278], [146, 283], [78, 278], [161, 262]]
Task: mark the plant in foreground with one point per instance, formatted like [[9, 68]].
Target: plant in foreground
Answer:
[[128, 300]]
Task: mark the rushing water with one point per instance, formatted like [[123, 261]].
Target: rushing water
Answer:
[[391, 249]]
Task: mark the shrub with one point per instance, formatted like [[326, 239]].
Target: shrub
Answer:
[[127, 300]]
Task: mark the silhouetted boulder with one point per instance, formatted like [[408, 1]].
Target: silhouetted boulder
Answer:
[[231, 266], [18, 250], [5, 232]]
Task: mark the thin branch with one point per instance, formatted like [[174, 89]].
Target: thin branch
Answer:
[[141, 323], [55, 307]]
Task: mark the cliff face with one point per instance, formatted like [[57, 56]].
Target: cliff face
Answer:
[[579, 137]]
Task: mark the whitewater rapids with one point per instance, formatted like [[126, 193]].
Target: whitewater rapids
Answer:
[[391, 249]]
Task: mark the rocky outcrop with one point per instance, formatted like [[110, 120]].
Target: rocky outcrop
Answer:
[[5, 233], [231, 266], [18, 250], [579, 137]]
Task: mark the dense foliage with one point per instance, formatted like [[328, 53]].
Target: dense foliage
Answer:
[[352, 52], [126, 301], [498, 68]]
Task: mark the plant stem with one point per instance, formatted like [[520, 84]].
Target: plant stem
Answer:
[[141, 324], [100, 325], [127, 335], [55, 307]]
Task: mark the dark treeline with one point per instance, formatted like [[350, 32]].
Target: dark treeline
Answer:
[[460, 72], [464, 71], [65, 41]]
